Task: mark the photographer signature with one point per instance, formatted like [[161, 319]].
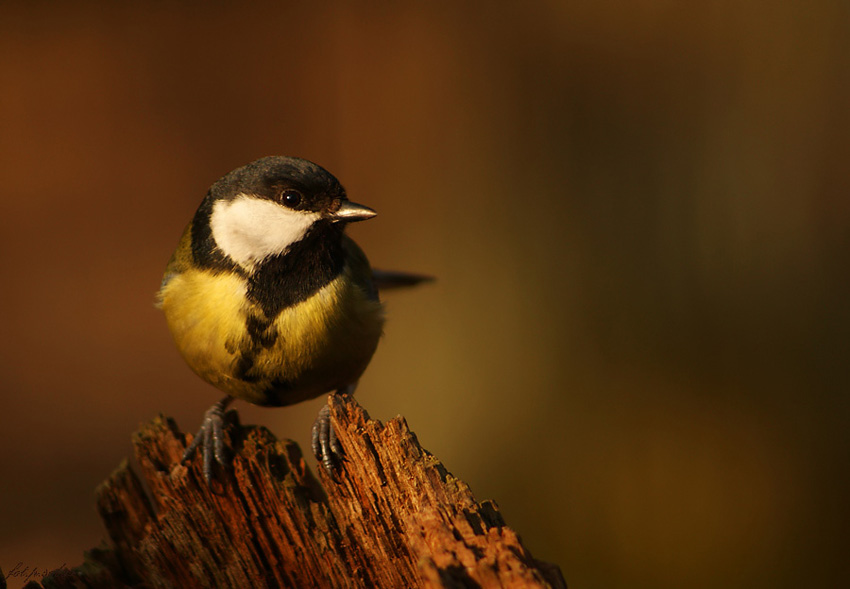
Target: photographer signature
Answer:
[[27, 573]]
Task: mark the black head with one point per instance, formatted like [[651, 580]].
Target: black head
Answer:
[[261, 210], [293, 182]]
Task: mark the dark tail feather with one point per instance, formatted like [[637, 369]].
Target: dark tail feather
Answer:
[[386, 280]]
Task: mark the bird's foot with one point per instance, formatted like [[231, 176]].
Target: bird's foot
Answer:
[[210, 438], [326, 447]]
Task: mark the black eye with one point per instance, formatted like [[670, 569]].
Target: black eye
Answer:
[[291, 198]]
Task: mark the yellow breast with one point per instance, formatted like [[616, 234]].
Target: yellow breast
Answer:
[[320, 344]]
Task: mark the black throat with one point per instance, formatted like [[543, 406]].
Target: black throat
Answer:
[[308, 265]]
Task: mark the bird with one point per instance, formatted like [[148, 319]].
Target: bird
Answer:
[[269, 301]]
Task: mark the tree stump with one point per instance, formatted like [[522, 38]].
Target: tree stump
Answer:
[[393, 517]]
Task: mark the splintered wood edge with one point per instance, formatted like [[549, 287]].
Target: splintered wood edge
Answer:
[[457, 540], [392, 509]]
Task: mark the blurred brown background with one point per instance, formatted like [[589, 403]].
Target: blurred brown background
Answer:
[[638, 213]]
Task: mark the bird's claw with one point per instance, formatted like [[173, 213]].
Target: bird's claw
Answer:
[[326, 447], [210, 438]]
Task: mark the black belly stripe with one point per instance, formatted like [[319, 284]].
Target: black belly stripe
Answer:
[[243, 367], [261, 331], [262, 335]]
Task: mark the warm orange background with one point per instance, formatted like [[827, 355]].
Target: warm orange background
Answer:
[[638, 213]]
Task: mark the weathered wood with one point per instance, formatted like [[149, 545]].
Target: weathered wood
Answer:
[[394, 517]]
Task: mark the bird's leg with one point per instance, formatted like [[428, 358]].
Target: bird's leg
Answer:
[[326, 447], [210, 438]]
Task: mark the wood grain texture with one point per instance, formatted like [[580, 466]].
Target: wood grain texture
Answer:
[[394, 517]]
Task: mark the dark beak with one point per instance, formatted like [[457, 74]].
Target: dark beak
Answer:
[[351, 211]]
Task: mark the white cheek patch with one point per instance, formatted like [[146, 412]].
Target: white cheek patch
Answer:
[[249, 229]]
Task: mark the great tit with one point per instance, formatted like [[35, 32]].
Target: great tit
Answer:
[[268, 300]]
